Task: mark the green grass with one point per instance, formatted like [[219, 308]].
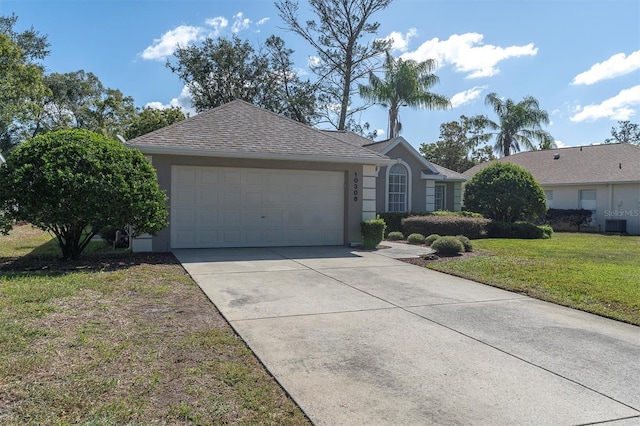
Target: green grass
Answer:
[[592, 272], [116, 338]]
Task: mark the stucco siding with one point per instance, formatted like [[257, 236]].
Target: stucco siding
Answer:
[[354, 175], [613, 201], [417, 192]]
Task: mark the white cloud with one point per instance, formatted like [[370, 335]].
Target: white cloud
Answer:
[[218, 23], [313, 61], [262, 21], [468, 54], [240, 23], [560, 144], [166, 44], [616, 66], [401, 41], [467, 96], [183, 101], [184, 35], [619, 107]]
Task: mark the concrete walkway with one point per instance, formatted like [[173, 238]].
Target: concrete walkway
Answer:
[[357, 337]]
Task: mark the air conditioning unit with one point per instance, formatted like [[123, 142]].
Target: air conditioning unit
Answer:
[[618, 226]]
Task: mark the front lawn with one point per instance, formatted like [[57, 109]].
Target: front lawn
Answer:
[[121, 339], [592, 272]]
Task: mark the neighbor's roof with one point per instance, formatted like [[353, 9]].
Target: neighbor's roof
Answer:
[[242, 130], [606, 163]]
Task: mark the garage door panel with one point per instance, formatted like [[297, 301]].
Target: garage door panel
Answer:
[[231, 197], [183, 218], [207, 196], [235, 207], [231, 177], [207, 218], [231, 218], [207, 176]]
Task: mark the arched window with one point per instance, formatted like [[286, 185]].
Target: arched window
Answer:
[[397, 190]]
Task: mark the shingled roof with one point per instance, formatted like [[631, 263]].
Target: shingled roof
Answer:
[[242, 130], [607, 163]]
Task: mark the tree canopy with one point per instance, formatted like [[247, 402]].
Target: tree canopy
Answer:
[[458, 147], [21, 79], [72, 183], [343, 57], [627, 132], [505, 192], [519, 124], [219, 71], [150, 119], [405, 83]]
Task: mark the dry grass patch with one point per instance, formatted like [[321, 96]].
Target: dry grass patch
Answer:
[[122, 339]]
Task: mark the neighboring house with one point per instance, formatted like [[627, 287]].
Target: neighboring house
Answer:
[[241, 176], [412, 183], [602, 178]]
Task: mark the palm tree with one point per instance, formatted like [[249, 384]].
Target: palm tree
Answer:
[[405, 83], [519, 124]]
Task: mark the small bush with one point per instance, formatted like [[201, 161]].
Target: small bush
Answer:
[[372, 232], [547, 231], [472, 227], [447, 246], [522, 230], [568, 218], [395, 236], [416, 239], [431, 238], [466, 243]]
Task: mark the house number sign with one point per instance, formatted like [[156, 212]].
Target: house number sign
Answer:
[[355, 186]]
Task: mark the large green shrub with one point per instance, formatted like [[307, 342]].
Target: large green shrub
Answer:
[[473, 227], [505, 192], [73, 183], [447, 246], [372, 232]]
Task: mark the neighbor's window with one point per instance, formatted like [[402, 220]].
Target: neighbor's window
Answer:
[[439, 201], [549, 196], [397, 188], [588, 202]]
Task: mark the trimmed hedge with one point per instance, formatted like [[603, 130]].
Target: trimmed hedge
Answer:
[[448, 246], [372, 232], [466, 243], [568, 218], [431, 238], [394, 220], [472, 227], [522, 230], [416, 239], [395, 236]]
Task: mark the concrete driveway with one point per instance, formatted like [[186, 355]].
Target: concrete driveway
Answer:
[[357, 337]]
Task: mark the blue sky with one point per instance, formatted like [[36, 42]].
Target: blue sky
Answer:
[[579, 58]]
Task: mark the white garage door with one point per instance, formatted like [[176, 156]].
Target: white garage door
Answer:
[[238, 207]]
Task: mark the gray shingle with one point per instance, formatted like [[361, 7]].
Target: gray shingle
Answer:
[[241, 128], [574, 165]]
